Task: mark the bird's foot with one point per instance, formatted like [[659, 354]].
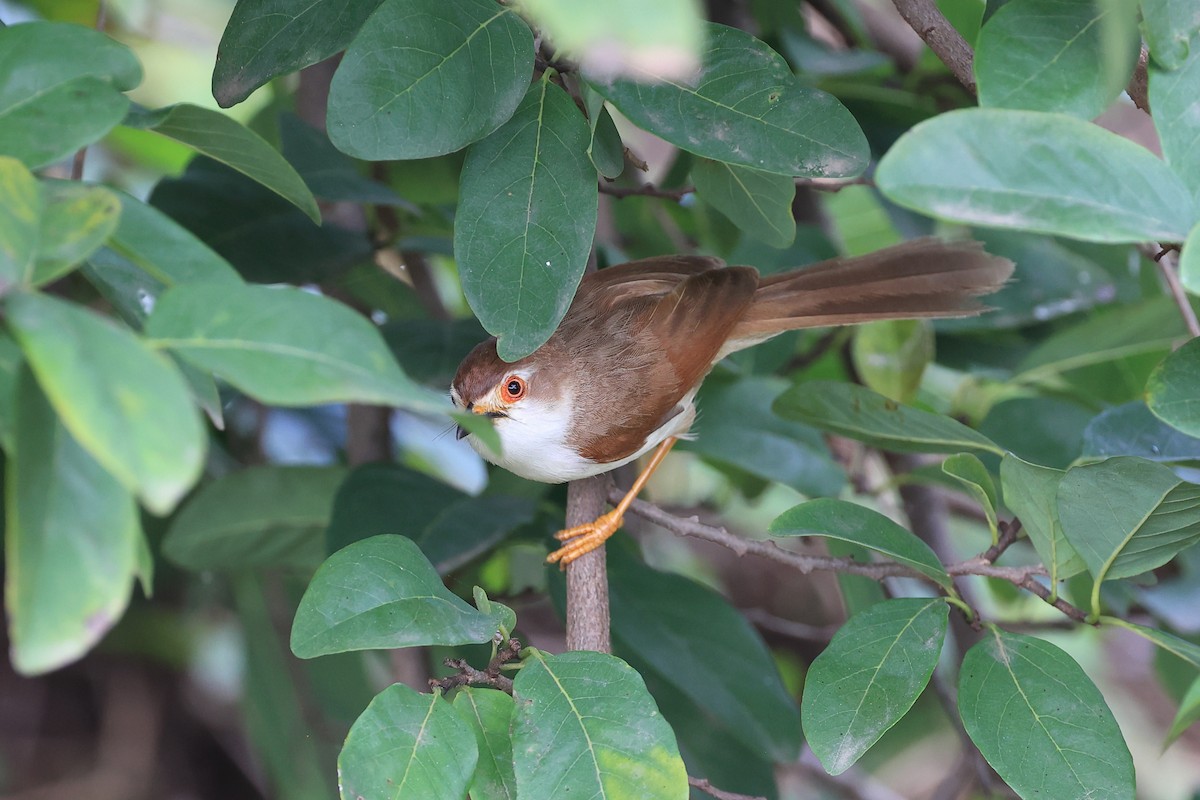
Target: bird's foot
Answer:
[[584, 538]]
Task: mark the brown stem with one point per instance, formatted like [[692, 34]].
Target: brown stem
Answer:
[[587, 576], [703, 785], [947, 43], [469, 676], [1167, 260], [645, 190]]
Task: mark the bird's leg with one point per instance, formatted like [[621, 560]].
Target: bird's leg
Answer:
[[587, 537]]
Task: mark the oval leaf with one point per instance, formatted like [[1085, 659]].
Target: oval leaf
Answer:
[[21, 204], [76, 221], [1173, 390], [891, 355], [1172, 95], [382, 592], [1031, 493], [1169, 26], [858, 413], [726, 113], [970, 472], [452, 72], [850, 522], [585, 720], [757, 202], [283, 346], [71, 536], [267, 38], [526, 219], [1072, 178], [164, 249], [407, 746], [256, 517], [869, 677], [126, 404], [489, 713], [1040, 721]]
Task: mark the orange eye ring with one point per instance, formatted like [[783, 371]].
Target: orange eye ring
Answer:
[[514, 388]]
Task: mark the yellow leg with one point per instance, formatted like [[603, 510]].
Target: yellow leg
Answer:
[[587, 537]]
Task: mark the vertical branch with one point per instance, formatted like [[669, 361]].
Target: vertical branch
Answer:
[[587, 576], [924, 17]]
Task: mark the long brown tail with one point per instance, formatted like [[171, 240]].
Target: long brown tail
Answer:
[[922, 278]]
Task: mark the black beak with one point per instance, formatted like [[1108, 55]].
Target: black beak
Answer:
[[460, 432]]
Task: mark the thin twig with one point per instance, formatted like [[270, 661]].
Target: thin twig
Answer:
[[645, 190], [1008, 536], [703, 785], [469, 676], [1029, 583], [943, 39], [1167, 260]]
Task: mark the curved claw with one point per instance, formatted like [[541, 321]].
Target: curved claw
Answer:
[[583, 539]]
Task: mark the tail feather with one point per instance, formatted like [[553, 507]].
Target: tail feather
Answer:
[[922, 278]]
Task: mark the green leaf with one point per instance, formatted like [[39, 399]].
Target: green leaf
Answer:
[[1173, 391], [858, 413], [739, 428], [283, 346], [1056, 55], [224, 139], [1131, 430], [489, 713], [1031, 493], [1182, 648], [670, 622], [1126, 516], [1168, 26], [164, 249], [11, 361], [526, 220], [869, 677], [1173, 97], [622, 37], [969, 471], [891, 355], [127, 405], [1041, 430], [407, 746], [1189, 261], [428, 77], [585, 720], [1040, 721], [745, 107], [21, 205], [1188, 714], [71, 535], [76, 221], [606, 150], [267, 38], [62, 89], [382, 593], [849, 522], [257, 517], [1069, 177], [327, 171], [450, 527], [759, 203]]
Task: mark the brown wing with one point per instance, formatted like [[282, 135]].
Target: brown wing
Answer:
[[656, 345], [645, 277]]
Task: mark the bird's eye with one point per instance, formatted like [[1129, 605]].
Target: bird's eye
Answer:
[[514, 388]]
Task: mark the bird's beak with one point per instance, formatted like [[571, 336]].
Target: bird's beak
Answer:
[[460, 432]]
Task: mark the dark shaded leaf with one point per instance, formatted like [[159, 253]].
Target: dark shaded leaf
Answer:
[[1132, 430]]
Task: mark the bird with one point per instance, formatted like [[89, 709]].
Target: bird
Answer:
[[618, 377]]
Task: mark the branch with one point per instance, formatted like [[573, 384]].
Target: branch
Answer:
[[1167, 260], [587, 576], [947, 43], [469, 676], [645, 190], [703, 785]]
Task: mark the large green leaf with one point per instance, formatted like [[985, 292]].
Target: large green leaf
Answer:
[[267, 38], [757, 202], [869, 676], [60, 89], [891, 355], [382, 593], [745, 107], [1132, 430], [858, 413], [1040, 721], [283, 346], [489, 713], [71, 534], [1168, 26], [224, 139], [21, 205], [407, 746], [1031, 493], [1126, 516], [1056, 55], [850, 522], [1176, 105], [1069, 177], [1173, 391], [737, 427], [126, 404], [164, 249], [670, 622], [76, 221], [584, 720], [428, 77], [256, 517], [526, 220]]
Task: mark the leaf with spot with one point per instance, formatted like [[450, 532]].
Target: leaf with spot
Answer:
[[584, 720], [869, 676], [1040, 721], [407, 746], [526, 220]]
